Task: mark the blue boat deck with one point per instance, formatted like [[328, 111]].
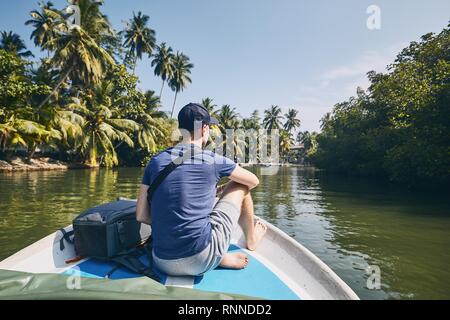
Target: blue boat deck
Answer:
[[256, 280]]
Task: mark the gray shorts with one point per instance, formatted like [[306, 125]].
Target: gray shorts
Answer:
[[224, 219]]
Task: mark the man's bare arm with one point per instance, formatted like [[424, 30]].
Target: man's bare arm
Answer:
[[142, 208], [245, 177]]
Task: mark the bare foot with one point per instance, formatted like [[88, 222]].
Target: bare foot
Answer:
[[260, 231], [236, 260]]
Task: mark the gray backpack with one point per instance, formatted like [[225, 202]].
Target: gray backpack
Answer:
[[110, 232]]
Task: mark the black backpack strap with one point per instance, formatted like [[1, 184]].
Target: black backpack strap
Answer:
[[130, 260], [169, 168], [66, 236]]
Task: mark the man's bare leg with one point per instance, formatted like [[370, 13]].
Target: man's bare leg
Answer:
[[253, 232], [240, 196]]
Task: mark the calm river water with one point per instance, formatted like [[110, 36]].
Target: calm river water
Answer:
[[348, 223]]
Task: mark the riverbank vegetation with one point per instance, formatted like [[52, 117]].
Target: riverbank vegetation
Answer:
[[81, 103], [400, 127]]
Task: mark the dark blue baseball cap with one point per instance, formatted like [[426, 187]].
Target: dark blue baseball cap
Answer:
[[194, 112]]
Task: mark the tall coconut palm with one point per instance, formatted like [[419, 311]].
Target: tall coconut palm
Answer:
[[46, 23], [208, 103], [272, 118], [78, 48], [163, 64], [181, 75], [11, 42], [80, 58], [139, 38], [292, 122], [94, 22]]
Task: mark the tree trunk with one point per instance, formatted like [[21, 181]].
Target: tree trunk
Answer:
[[134, 66], [93, 153], [32, 152], [60, 82], [120, 143], [174, 101], [160, 93]]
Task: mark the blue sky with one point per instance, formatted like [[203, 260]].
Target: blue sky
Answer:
[[306, 55]]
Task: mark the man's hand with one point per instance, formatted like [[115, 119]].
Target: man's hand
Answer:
[[220, 188]]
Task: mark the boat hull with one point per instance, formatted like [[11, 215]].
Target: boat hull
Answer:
[[281, 268]]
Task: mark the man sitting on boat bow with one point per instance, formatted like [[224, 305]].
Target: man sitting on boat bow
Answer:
[[191, 230]]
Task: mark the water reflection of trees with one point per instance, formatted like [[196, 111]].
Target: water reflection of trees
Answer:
[[34, 204], [273, 197], [375, 223], [349, 223]]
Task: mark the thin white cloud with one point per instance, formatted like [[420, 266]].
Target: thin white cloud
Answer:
[[339, 83], [370, 60]]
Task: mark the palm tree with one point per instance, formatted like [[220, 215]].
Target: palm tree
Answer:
[[307, 139], [70, 125], [100, 128], [45, 73], [139, 38], [239, 144], [28, 133], [253, 122], [152, 130], [208, 103], [163, 64], [152, 122], [325, 121], [94, 22], [228, 118], [11, 42], [47, 24], [285, 143], [272, 118], [304, 137], [292, 122], [181, 75], [251, 128], [79, 58], [9, 136], [309, 142], [154, 127], [152, 105], [247, 124], [78, 49]]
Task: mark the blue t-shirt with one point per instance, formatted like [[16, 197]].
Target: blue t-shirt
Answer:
[[182, 203]]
